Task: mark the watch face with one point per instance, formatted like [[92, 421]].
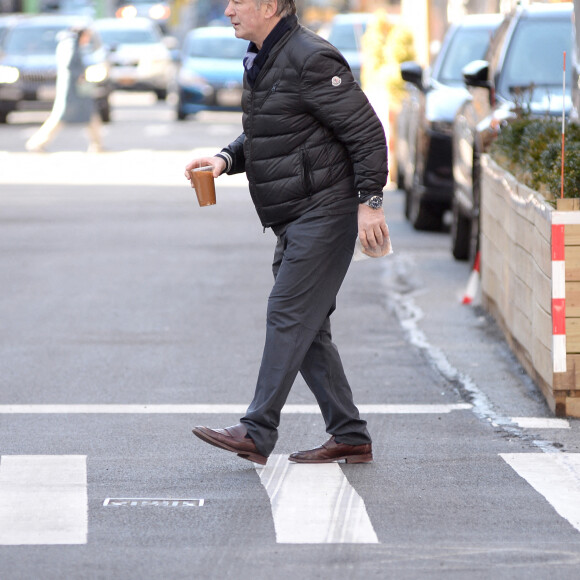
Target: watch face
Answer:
[[375, 202]]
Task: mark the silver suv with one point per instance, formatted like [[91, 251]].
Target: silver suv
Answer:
[[522, 71]]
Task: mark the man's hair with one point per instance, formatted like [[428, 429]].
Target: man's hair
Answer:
[[285, 7]]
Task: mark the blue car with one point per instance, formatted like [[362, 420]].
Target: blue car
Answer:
[[211, 71]]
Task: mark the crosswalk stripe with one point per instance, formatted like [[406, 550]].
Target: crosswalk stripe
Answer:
[[555, 475], [314, 504], [540, 423], [44, 499], [220, 409]]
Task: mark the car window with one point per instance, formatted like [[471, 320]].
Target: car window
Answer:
[[347, 36], [535, 55], [32, 40], [128, 36], [4, 28], [466, 45], [494, 52], [204, 47]]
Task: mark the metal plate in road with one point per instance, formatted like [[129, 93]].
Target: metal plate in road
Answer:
[[151, 502]]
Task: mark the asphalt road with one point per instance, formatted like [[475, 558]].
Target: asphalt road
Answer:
[[129, 315]]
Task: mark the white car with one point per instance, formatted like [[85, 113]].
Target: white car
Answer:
[[140, 55]]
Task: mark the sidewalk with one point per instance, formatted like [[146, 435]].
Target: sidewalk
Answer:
[[463, 342]]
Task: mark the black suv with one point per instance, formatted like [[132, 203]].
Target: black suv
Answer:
[[28, 64], [522, 71]]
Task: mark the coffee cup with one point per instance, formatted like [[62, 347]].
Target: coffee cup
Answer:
[[203, 182]]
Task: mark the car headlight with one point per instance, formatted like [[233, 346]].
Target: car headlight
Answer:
[[9, 74], [96, 73], [126, 12], [159, 12]]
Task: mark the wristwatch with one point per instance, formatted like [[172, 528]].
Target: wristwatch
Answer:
[[375, 202]]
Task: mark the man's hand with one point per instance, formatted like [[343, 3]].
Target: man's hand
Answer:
[[372, 227], [217, 163]]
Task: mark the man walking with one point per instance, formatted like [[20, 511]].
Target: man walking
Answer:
[[315, 156]]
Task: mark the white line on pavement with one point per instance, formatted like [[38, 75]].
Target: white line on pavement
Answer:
[[540, 423], [555, 475], [130, 168], [219, 409], [314, 504], [44, 499]]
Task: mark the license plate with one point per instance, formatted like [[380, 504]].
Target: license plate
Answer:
[[229, 97], [47, 93]]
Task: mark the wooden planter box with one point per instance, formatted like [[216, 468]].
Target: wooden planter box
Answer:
[[530, 278]]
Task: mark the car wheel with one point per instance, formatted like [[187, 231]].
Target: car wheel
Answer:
[[474, 237], [161, 94], [423, 215], [460, 234], [407, 203], [180, 114]]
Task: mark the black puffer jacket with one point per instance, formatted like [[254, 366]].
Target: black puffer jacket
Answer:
[[311, 140]]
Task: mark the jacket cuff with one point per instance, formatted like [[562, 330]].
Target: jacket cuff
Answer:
[[227, 158], [362, 197]]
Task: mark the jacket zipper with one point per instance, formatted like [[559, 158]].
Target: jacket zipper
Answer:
[[270, 92]]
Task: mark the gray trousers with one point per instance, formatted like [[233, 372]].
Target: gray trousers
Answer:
[[311, 259]]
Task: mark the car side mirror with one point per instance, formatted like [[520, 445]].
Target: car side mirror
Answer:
[[476, 74], [412, 72]]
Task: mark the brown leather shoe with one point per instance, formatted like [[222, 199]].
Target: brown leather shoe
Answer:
[[232, 439], [333, 451]]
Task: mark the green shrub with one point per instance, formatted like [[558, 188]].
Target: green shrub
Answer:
[[531, 149]]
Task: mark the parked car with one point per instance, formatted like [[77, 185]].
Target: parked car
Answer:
[[345, 32], [522, 71], [77, 7], [6, 22], [28, 64], [158, 12], [211, 72], [140, 55], [424, 124]]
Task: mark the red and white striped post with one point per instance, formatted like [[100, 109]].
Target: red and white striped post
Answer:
[[558, 298], [559, 220]]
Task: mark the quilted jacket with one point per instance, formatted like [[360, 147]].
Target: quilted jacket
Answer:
[[311, 141]]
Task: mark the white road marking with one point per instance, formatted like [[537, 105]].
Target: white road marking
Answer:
[[156, 130], [540, 423], [314, 504], [44, 499], [132, 168], [219, 409], [555, 475]]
